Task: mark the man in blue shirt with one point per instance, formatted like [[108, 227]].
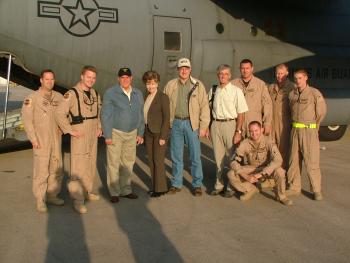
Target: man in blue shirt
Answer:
[[123, 127]]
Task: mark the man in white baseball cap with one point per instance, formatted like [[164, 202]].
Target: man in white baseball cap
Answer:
[[184, 62], [189, 119]]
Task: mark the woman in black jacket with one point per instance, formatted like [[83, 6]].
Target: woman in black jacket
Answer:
[[157, 121]]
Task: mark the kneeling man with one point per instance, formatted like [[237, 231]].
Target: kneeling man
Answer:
[[256, 159]]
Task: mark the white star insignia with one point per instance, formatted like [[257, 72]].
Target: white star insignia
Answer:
[[80, 14]]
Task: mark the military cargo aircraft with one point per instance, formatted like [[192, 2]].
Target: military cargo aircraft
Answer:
[[64, 35]]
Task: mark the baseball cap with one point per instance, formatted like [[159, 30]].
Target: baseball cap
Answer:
[[124, 72], [183, 62]]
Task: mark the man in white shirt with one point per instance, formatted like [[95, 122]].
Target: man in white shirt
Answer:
[[228, 105]]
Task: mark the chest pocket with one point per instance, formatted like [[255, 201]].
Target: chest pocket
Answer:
[[303, 100], [258, 156]]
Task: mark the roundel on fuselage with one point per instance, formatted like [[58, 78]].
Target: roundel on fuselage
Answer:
[[78, 17]]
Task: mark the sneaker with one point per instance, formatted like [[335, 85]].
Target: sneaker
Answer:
[[286, 201], [92, 197], [54, 200], [229, 194], [41, 207], [291, 192], [174, 190], [80, 208], [197, 191], [318, 196], [248, 195], [217, 192]]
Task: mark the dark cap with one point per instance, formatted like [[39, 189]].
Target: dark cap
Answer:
[[124, 71]]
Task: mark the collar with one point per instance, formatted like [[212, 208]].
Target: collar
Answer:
[[228, 84], [259, 144], [296, 90], [120, 90], [250, 81], [191, 79]]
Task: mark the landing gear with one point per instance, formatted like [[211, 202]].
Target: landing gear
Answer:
[[332, 133]]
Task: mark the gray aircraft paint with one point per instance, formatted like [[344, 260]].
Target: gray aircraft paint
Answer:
[[67, 34]]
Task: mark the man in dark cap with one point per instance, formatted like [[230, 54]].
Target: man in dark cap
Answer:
[[123, 126]]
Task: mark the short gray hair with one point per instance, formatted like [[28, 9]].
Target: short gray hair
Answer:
[[221, 67]]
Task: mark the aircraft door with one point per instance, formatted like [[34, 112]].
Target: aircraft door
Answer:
[[172, 40]]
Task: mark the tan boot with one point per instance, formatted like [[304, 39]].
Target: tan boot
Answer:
[[318, 196], [291, 192], [286, 201], [80, 208], [92, 197], [54, 200], [41, 206], [268, 183], [248, 195]]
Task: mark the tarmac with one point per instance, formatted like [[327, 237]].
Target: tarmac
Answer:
[[180, 227]]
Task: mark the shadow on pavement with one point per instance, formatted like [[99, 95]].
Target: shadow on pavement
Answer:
[[66, 233], [147, 240]]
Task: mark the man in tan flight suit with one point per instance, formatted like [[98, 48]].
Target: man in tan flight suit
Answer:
[[228, 106], [257, 97], [264, 160], [308, 109], [39, 123], [281, 119], [82, 103]]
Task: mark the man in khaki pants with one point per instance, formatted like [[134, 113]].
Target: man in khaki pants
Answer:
[[82, 103], [39, 123], [308, 109], [227, 105], [123, 128], [263, 161], [257, 97], [281, 117]]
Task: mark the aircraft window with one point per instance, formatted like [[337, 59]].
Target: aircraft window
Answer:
[[220, 28], [172, 41]]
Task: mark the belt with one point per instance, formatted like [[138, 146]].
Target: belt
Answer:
[[223, 120], [182, 118], [302, 125]]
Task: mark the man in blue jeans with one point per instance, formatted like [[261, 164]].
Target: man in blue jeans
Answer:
[[189, 119]]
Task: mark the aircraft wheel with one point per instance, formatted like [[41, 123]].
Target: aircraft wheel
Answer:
[[332, 133]]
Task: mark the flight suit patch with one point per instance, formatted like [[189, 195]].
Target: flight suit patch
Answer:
[[27, 102], [54, 103], [66, 95]]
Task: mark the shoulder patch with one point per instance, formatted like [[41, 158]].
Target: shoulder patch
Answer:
[[27, 102], [66, 95]]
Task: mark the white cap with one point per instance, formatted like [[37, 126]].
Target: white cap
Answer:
[[183, 62]]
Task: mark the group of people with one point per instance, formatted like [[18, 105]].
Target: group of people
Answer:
[[260, 133]]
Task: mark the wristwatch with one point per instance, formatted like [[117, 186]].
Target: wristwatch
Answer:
[[239, 131]]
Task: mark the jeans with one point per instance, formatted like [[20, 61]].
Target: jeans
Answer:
[[182, 133]]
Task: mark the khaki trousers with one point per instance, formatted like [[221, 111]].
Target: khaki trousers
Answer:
[[156, 157], [47, 172], [83, 161], [281, 136], [304, 145], [121, 156], [240, 184], [221, 135]]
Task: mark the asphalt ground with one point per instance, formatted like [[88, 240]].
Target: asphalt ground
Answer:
[[177, 228]]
